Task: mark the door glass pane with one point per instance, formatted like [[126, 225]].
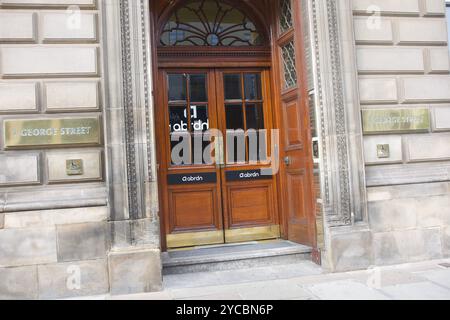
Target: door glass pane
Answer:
[[252, 83], [178, 127], [200, 118], [255, 116], [177, 87], [197, 84], [236, 147], [286, 21], [177, 119], [235, 117], [233, 87], [200, 124], [256, 135], [289, 65]]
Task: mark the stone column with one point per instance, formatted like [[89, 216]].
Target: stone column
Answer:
[[134, 259]]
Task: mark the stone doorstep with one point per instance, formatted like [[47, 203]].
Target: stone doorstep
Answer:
[[231, 252], [233, 257]]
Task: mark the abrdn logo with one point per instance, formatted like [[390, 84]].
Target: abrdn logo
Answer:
[[193, 179]]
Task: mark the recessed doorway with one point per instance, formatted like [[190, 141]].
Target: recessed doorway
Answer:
[[232, 127]]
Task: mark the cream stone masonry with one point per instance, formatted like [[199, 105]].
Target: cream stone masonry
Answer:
[[438, 60], [426, 31], [397, 7], [56, 27], [378, 90], [426, 89], [53, 279], [18, 97], [19, 169], [48, 61], [51, 66], [25, 30], [433, 147], [51, 218], [57, 162], [390, 60], [395, 149], [366, 33], [60, 74], [403, 62], [441, 118], [434, 7], [24, 247], [76, 96]]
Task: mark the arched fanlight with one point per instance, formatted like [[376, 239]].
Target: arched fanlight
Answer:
[[210, 23]]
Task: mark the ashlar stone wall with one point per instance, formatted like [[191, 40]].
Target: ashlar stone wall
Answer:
[[54, 234], [403, 62]]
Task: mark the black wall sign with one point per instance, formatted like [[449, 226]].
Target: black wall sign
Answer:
[[194, 178], [247, 175]]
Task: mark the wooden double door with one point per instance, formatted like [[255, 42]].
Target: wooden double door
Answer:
[[218, 172]]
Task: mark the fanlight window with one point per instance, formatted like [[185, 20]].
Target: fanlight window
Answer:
[[210, 23]]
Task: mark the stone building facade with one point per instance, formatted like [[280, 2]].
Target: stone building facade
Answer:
[[83, 217]]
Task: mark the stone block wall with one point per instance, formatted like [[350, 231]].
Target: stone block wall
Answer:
[[403, 62], [54, 237]]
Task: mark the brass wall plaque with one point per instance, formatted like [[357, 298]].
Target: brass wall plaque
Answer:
[[383, 151], [25, 133], [74, 167], [396, 120]]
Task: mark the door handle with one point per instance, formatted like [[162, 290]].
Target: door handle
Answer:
[[287, 161]]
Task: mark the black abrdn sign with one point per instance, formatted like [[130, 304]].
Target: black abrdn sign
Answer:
[[195, 178]]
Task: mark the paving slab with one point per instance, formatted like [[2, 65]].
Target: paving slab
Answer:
[[439, 277], [345, 290], [417, 291], [165, 295], [191, 280], [246, 275], [216, 297], [275, 290], [297, 270], [190, 293]]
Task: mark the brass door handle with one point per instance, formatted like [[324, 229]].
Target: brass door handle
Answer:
[[287, 161]]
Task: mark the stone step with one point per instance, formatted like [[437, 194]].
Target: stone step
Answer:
[[235, 256]]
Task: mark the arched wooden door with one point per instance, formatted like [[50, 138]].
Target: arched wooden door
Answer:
[[217, 104]]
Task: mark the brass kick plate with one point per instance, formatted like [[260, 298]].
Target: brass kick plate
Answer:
[[252, 234], [193, 239]]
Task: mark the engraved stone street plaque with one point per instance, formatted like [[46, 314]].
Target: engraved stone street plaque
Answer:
[[27, 133], [396, 120]]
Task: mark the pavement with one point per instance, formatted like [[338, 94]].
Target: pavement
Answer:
[[306, 281]]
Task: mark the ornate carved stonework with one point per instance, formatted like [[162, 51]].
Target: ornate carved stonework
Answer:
[[128, 106], [336, 183], [136, 104]]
